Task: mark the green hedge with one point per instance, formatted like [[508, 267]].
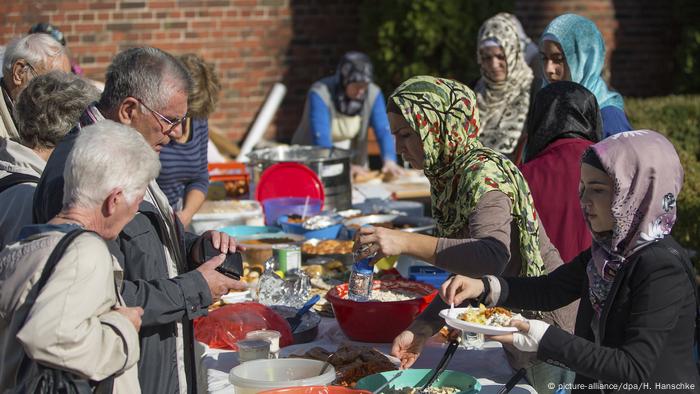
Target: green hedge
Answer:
[[435, 37], [678, 117]]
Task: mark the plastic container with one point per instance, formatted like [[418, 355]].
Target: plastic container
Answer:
[[244, 231], [316, 390], [271, 336], [276, 207], [467, 384], [382, 321], [261, 375], [378, 205], [330, 232], [253, 349], [427, 274], [216, 214]]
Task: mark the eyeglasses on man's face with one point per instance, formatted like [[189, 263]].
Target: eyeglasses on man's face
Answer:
[[28, 66], [171, 122]]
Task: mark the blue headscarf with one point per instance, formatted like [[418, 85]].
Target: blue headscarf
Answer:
[[584, 50]]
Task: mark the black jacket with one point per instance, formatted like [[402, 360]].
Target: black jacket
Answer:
[[165, 301], [648, 322]]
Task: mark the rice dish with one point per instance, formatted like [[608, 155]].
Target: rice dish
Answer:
[[393, 295]]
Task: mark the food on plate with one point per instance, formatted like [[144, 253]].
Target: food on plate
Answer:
[[295, 218], [416, 390], [329, 269], [393, 295], [496, 317], [328, 246], [352, 363]]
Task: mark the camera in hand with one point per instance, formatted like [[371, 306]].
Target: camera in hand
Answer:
[[232, 265]]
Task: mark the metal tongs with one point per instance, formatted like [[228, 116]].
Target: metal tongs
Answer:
[[442, 365]]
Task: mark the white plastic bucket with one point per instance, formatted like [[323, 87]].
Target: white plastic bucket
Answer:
[[260, 375]]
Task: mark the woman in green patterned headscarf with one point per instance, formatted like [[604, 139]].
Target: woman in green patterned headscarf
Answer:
[[486, 221], [444, 115]]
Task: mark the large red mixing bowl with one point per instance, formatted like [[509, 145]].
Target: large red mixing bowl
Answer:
[[379, 322]]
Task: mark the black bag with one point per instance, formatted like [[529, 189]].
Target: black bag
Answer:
[[36, 378], [16, 179]]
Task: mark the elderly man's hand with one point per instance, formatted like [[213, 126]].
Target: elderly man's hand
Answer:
[[219, 284], [133, 314], [221, 241]]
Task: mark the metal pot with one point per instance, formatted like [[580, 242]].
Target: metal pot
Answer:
[[332, 165]]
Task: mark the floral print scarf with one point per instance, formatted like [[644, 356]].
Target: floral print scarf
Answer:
[[503, 105], [460, 169], [647, 177]]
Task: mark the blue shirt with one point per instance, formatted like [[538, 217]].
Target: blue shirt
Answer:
[[184, 166], [320, 119], [614, 121]]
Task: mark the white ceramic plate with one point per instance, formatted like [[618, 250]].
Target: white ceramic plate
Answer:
[[454, 322]]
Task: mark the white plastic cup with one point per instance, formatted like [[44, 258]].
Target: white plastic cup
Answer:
[[271, 336], [253, 349]]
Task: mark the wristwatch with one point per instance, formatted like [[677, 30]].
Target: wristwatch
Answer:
[[487, 289]]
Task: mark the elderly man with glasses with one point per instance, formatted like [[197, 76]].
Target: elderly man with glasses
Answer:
[[147, 89], [25, 59]]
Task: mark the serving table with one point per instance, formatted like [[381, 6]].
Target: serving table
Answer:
[[488, 365]]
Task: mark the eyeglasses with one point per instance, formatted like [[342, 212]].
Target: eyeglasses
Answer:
[[31, 68], [172, 123]]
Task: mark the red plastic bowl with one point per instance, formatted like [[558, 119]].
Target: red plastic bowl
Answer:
[[379, 322], [316, 390]]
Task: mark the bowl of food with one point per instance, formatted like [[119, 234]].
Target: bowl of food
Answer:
[[392, 308], [328, 249], [258, 248], [411, 380], [260, 375]]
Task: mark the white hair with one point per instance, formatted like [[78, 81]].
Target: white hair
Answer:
[[107, 156], [38, 49]]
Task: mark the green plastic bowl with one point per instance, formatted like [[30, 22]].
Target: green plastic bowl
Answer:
[[467, 384]]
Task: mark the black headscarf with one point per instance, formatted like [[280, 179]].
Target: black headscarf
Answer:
[[353, 67], [562, 110]]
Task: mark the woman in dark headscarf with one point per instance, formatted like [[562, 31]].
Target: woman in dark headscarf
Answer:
[[636, 323], [340, 108], [563, 122]]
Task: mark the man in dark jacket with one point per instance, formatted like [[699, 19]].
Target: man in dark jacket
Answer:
[[147, 89]]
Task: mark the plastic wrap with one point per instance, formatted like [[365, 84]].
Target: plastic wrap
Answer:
[[224, 327]]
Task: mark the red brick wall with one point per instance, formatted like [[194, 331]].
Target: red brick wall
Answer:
[[253, 43], [640, 38]]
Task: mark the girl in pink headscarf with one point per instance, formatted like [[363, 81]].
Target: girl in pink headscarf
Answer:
[[638, 314]]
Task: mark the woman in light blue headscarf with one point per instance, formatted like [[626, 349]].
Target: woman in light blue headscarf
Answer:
[[573, 49]]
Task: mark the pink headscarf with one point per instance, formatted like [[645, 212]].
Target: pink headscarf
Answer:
[[647, 177]]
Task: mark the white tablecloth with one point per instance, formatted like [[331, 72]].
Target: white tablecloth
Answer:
[[488, 365]]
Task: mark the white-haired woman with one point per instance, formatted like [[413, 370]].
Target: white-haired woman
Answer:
[[45, 111], [78, 322]]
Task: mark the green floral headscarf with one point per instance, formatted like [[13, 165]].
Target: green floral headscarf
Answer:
[[460, 169]]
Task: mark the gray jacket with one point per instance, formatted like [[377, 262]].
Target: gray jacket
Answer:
[[323, 88], [16, 201], [166, 299]]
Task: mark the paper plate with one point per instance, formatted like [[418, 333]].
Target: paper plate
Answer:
[[454, 322]]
